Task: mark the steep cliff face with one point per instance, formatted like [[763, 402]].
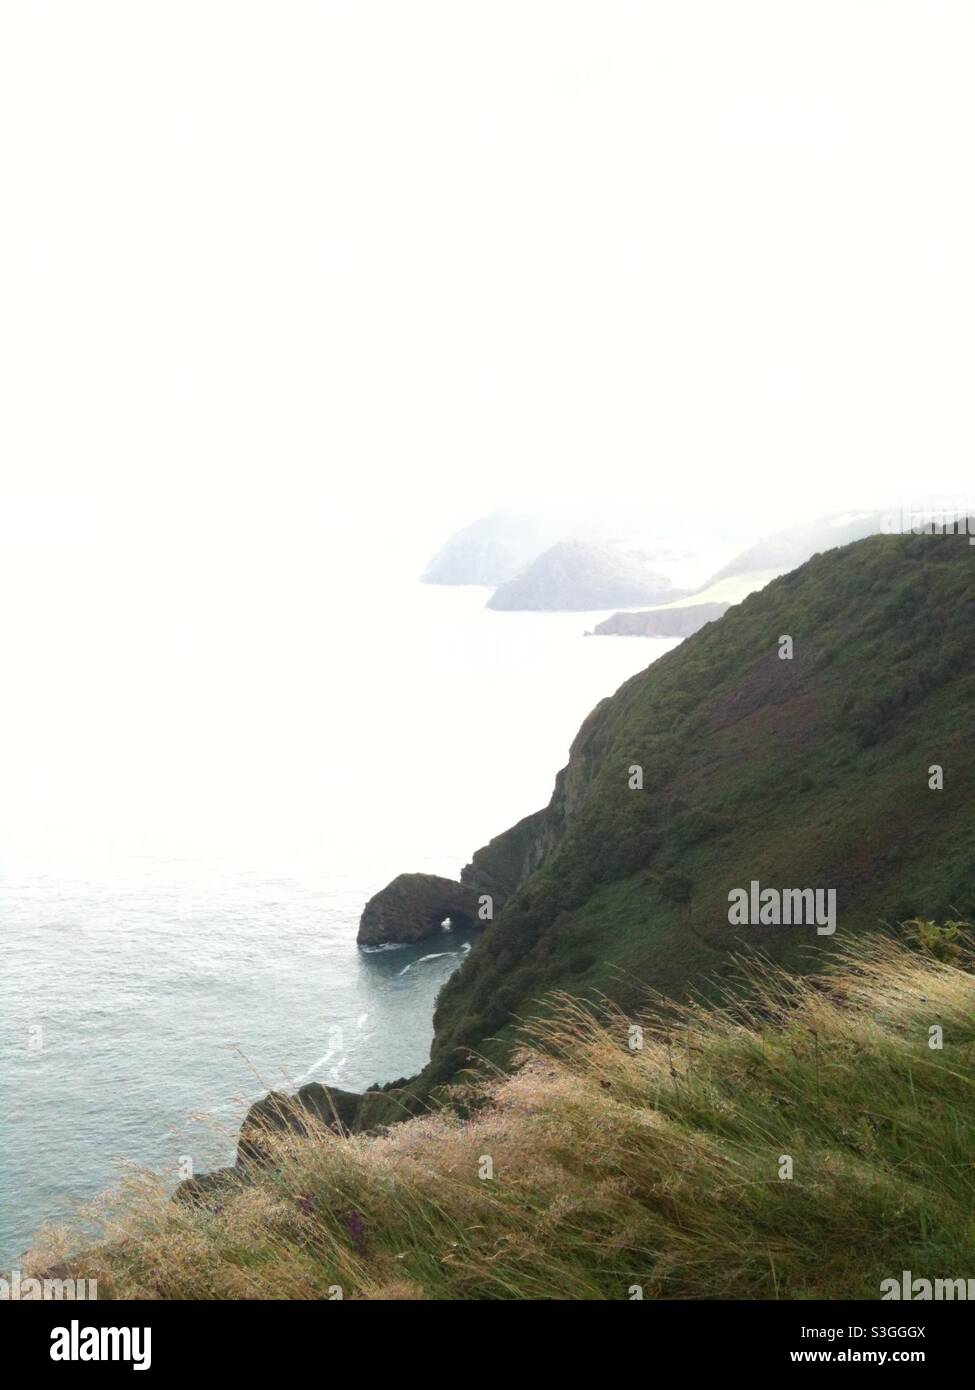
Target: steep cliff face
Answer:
[[504, 863], [506, 860]]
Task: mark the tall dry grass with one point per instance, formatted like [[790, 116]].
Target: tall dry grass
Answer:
[[614, 1167]]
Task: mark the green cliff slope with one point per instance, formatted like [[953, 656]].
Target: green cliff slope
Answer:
[[809, 772]]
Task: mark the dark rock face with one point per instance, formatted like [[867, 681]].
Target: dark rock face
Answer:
[[505, 862], [311, 1106], [208, 1189], [415, 906]]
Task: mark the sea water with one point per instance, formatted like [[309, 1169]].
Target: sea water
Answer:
[[179, 905]]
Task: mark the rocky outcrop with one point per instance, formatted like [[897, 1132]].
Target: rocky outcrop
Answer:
[[415, 906], [661, 622], [307, 1112], [209, 1189], [310, 1108], [574, 576]]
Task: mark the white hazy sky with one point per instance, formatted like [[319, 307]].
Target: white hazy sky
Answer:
[[320, 278], [298, 258]]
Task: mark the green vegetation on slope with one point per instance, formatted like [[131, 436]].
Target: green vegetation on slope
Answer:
[[616, 1166], [809, 772]]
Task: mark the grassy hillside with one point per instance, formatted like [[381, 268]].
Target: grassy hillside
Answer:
[[615, 1167], [809, 772]]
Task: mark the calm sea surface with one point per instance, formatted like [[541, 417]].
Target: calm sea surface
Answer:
[[180, 937]]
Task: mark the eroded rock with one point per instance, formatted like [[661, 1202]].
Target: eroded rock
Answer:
[[415, 906], [311, 1106]]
